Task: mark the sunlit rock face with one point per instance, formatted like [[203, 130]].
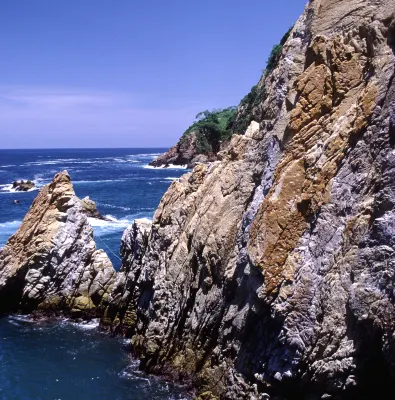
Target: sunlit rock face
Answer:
[[271, 270], [51, 263]]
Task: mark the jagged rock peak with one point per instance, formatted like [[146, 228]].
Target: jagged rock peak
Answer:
[[51, 263]]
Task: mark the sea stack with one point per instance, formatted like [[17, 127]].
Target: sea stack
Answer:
[[51, 263], [23, 186]]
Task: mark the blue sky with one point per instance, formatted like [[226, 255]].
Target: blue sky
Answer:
[[126, 73]]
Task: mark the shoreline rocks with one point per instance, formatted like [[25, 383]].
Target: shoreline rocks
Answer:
[[23, 186], [270, 272]]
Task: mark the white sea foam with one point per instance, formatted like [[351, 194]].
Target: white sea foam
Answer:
[[170, 166], [10, 225], [113, 206], [172, 178], [92, 324], [20, 318], [8, 188], [100, 181], [144, 155], [103, 228]]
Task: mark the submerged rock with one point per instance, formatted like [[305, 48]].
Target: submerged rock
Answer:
[[23, 186], [51, 263]]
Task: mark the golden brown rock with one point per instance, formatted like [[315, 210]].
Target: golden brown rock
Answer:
[[52, 258]]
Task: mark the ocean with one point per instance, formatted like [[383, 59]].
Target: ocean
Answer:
[[66, 360]]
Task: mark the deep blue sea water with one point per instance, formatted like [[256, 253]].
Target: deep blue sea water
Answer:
[[63, 360]]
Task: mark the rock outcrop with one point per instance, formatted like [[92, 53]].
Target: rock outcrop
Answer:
[[180, 154], [205, 138], [184, 153], [271, 271], [121, 312], [23, 186], [51, 264], [89, 208]]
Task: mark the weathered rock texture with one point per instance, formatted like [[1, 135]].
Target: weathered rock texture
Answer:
[[272, 270], [180, 154], [89, 208], [51, 263]]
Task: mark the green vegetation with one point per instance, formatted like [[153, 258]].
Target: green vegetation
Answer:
[[211, 128], [276, 53], [256, 96]]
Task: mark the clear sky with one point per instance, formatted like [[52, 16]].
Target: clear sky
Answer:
[[127, 73]]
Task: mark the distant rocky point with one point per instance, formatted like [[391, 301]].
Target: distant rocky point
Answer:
[[23, 186]]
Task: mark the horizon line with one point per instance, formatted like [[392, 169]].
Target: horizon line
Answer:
[[82, 148]]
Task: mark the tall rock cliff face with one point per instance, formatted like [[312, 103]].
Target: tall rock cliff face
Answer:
[[271, 270], [51, 263]]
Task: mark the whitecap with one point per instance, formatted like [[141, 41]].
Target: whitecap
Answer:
[[103, 228], [10, 225], [100, 181], [113, 206], [20, 318], [144, 155], [87, 325], [170, 166], [8, 188]]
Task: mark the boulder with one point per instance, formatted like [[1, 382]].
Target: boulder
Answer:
[[89, 208], [23, 186]]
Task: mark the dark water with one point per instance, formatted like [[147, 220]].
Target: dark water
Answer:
[[62, 360], [70, 362]]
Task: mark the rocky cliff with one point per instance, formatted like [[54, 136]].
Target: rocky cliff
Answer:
[[270, 272], [51, 263]]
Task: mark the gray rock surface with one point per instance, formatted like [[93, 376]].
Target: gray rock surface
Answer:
[[51, 263], [269, 273], [89, 208]]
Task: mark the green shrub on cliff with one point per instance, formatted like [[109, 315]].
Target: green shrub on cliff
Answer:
[[257, 94], [211, 128], [275, 54]]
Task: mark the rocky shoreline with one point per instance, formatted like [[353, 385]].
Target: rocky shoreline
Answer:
[[267, 273]]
